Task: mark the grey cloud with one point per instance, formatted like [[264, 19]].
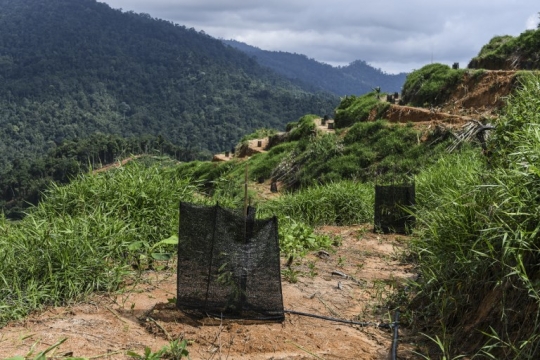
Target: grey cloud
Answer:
[[396, 34]]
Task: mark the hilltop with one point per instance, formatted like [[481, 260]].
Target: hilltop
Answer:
[[510, 53]]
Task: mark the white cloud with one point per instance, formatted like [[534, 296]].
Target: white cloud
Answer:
[[532, 22]]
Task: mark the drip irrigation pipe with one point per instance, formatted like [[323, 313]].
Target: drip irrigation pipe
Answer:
[[393, 351], [363, 324]]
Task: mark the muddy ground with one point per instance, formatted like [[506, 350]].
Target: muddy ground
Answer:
[[108, 325]]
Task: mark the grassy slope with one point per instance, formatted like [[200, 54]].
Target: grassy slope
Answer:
[[478, 246]]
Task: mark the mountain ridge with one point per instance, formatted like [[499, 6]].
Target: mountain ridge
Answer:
[[357, 78]]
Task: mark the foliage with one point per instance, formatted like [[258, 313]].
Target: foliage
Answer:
[[353, 109], [42, 355], [479, 225], [147, 355], [88, 235], [80, 238], [340, 203], [357, 78], [431, 85], [297, 238], [514, 127], [176, 350], [222, 182], [262, 165], [494, 45], [369, 151], [303, 128]]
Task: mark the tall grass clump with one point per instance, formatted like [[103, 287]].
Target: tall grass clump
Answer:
[[340, 203], [354, 109], [369, 151], [262, 165], [478, 243], [81, 237], [302, 128]]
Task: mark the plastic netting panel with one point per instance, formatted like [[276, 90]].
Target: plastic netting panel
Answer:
[[390, 204], [228, 266]]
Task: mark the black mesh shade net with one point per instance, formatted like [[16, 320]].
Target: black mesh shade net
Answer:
[[228, 264]]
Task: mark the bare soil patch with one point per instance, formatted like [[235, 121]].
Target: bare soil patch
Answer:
[[116, 164], [406, 114], [141, 315], [481, 95]]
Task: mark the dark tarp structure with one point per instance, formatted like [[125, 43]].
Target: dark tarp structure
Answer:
[[228, 265], [390, 204]]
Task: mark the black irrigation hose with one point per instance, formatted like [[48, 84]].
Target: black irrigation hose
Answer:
[[363, 324], [393, 351]]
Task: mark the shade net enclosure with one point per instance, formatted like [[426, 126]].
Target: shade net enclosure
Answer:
[[228, 265], [390, 204]]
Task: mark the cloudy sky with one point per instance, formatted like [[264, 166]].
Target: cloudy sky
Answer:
[[393, 35]]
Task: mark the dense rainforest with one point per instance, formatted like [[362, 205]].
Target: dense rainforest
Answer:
[[73, 70], [70, 68], [23, 185], [357, 78]]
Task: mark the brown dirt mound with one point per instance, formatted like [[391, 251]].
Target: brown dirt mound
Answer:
[[253, 147]]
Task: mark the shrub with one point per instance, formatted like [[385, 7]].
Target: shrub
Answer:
[[353, 109], [303, 128], [507, 52], [431, 85]]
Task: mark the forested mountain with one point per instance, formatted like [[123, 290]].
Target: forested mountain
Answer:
[[357, 78], [71, 68]]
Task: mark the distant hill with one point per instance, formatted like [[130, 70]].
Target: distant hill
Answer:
[[510, 53], [355, 79], [72, 68]]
